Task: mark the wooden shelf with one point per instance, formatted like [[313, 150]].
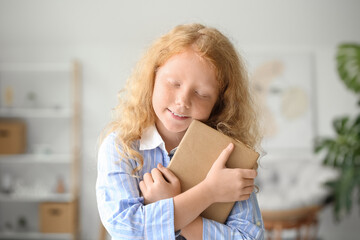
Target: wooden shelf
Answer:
[[60, 83]]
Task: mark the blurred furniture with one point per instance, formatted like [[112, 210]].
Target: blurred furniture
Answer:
[[303, 220], [41, 200], [291, 193]]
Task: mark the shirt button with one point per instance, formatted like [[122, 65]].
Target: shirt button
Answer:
[[258, 223]]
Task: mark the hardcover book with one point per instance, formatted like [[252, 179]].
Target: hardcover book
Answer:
[[197, 151]]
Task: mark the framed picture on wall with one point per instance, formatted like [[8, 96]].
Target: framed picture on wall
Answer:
[[284, 87]]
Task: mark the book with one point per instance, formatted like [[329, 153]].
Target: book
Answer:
[[196, 153]]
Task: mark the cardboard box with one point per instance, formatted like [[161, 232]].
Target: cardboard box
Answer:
[[197, 151], [12, 137], [57, 217]]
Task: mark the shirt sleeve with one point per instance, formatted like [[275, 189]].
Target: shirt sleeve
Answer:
[[244, 222], [121, 208]]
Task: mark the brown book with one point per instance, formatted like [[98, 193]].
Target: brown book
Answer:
[[197, 151]]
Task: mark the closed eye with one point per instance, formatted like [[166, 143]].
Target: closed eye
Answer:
[[174, 83], [201, 94]]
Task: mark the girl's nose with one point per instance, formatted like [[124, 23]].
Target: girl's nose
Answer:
[[183, 99]]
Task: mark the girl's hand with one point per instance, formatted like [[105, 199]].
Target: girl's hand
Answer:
[[160, 184], [226, 184]]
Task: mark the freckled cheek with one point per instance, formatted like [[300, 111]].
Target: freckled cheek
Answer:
[[203, 110], [162, 95]]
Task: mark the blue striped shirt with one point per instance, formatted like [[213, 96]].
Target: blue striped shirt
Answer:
[[122, 210]]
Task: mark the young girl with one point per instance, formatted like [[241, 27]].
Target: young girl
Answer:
[[192, 72]]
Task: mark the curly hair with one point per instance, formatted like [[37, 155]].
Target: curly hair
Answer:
[[234, 112]]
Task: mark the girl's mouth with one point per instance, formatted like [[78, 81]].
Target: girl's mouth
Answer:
[[178, 116]]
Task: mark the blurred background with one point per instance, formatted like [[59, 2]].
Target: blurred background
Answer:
[[62, 64]]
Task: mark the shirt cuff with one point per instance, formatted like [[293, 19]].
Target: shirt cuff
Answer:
[[159, 220]]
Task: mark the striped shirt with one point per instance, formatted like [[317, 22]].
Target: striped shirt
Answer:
[[122, 210]]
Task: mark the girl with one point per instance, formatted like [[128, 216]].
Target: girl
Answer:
[[192, 72]]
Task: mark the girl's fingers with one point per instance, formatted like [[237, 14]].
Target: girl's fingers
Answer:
[[157, 175], [244, 197], [167, 173], [248, 190], [148, 178], [248, 183], [224, 156], [248, 173], [142, 187]]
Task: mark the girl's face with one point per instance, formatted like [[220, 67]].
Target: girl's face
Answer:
[[185, 89]]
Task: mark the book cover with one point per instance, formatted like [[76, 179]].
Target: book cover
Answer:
[[197, 151]]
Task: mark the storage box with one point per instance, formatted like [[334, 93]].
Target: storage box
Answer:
[[57, 217], [12, 137]]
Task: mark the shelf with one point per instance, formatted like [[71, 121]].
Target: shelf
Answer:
[[35, 235], [64, 197], [36, 158], [36, 112], [33, 175]]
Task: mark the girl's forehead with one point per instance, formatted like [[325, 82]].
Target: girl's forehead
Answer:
[[189, 68], [188, 60], [190, 55]]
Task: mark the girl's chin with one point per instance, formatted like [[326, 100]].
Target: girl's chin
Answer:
[[177, 127]]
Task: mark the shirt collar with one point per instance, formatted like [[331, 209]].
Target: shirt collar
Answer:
[[151, 139]]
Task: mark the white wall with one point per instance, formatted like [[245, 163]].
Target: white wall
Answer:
[[109, 36]]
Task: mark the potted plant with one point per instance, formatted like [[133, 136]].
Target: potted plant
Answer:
[[343, 150]]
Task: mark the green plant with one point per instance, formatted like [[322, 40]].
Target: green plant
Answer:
[[343, 151]]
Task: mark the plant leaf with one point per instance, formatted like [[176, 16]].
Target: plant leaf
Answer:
[[348, 65]]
